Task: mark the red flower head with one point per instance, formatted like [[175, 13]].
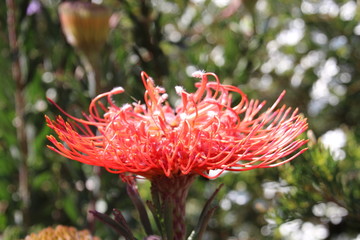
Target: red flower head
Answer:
[[206, 131]]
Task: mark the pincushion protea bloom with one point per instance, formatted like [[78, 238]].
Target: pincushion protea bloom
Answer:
[[170, 146], [60, 233], [205, 132]]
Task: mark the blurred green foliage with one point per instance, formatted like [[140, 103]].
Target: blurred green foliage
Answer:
[[323, 191], [309, 48]]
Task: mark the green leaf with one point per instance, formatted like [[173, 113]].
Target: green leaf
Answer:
[[136, 199], [205, 215]]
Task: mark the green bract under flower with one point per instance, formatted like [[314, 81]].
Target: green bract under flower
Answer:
[[204, 132]]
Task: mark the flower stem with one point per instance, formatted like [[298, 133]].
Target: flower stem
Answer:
[[91, 63], [172, 193]]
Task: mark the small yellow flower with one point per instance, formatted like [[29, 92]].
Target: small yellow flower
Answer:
[[61, 233]]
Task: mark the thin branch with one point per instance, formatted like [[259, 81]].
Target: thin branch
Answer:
[[20, 111]]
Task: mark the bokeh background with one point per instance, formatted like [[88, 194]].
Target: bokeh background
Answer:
[[310, 48]]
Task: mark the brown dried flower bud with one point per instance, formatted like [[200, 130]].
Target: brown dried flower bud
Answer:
[[85, 24]]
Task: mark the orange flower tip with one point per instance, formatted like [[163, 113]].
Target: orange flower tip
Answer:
[[198, 74], [50, 147], [303, 150], [51, 138], [48, 120], [282, 95]]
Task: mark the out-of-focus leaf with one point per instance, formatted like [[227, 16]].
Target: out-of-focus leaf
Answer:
[[70, 207], [120, 226]]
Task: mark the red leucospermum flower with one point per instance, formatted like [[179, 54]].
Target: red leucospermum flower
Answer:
[[169, 146], [205, 132]]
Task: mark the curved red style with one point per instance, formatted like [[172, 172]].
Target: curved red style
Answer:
[[204, 132]]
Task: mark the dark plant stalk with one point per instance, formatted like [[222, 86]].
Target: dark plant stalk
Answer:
[[20, 112]]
